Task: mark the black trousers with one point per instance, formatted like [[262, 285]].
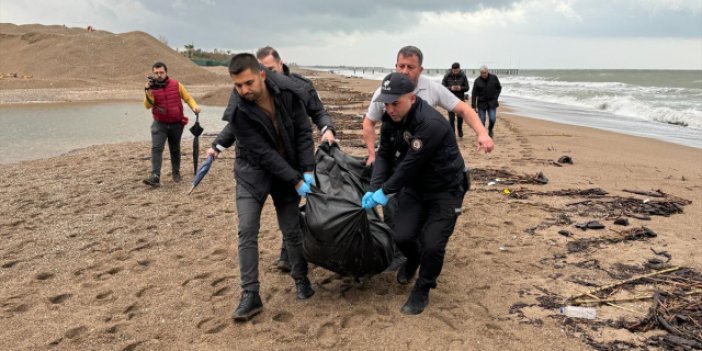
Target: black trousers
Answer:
[[423, 225], [456, 122]]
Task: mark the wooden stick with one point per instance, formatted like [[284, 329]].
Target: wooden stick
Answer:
[[623, 299], [626, 281], [641, 314]]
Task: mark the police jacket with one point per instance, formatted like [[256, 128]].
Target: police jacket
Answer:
[[305, 91], [264, 152], [459, 79], [423, 150], [486, 91]]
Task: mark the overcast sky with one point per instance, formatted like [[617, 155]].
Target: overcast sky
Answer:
[[590, 34]]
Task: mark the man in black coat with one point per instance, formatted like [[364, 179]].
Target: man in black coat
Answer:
[[274, 156], [270, 58], [418, 162], [457, 82], [486, 91]]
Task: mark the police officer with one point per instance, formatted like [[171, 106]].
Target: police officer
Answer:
[[429, 179]]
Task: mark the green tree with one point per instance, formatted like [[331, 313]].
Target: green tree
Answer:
[[190, 48]]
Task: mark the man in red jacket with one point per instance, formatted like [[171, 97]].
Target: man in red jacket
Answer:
[[163, 97]]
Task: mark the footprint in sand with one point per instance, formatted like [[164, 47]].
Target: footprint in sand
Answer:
[[109, 273], [357, 318], [75, 332], [59, 298], [218, 255], [44, 276], [106, 296], [327, 335], [199, 276], [211, 326], [9, 264], [283, 317]]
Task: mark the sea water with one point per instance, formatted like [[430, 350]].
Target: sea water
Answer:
[[33, 131], [660, 104]]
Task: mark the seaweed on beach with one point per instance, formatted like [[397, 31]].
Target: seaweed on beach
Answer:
[[616, 207], [505, 177], [640, 233], [676, 310]]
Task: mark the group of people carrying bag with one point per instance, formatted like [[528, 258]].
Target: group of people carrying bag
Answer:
[[418, 165]]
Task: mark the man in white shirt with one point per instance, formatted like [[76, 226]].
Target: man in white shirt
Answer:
[[409, 63]]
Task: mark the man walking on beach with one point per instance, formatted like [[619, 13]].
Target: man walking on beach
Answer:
[[274, 156], [486, 91], [270, 58], [457, 82], [409, 63], [163, 97], [419, 162]]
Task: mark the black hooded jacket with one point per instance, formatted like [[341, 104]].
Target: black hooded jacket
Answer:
[[258, 160]]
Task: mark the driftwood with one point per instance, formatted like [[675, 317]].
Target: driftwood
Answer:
[[610, 286], [657, 193]]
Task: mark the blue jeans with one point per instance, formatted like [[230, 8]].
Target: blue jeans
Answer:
[[492, 112], [286, 203]]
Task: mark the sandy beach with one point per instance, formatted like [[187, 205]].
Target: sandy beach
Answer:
[[92, 259]]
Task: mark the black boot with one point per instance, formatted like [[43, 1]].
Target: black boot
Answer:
[[249, 306], [406, 272], [417, 301], [304, 289], [153, 180], [397, 261], [283, 262]]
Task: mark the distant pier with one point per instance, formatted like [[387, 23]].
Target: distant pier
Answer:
[[436, 71]]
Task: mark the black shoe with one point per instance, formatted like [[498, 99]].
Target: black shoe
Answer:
[[490, 133], [177, 178], [460, 134], [417, 301], [406, 273], [397, 261], [283, 266], [153, 180], [249, 306], [304, 289]]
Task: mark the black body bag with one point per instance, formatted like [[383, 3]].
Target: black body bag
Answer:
[[338, 234]]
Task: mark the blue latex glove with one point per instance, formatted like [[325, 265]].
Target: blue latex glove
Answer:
[[303, 189], [309, 178], [367, 201], [380, 198]]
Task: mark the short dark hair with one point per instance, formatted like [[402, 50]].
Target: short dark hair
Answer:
[[267, 50], [240, 62], [159, 65], [410, 50]]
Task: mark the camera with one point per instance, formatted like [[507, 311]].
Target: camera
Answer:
[[155, 84]]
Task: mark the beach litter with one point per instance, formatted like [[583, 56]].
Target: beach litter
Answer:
[[676, 308], [565, 159]]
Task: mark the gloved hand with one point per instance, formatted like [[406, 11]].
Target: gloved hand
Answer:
[[380, 198], [367, 201], [302, 188], [309, 178]]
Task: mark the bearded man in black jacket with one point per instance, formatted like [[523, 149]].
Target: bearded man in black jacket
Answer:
[[274, 156]]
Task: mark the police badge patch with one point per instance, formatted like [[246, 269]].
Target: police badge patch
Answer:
[[408, 136], [416, 144]]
